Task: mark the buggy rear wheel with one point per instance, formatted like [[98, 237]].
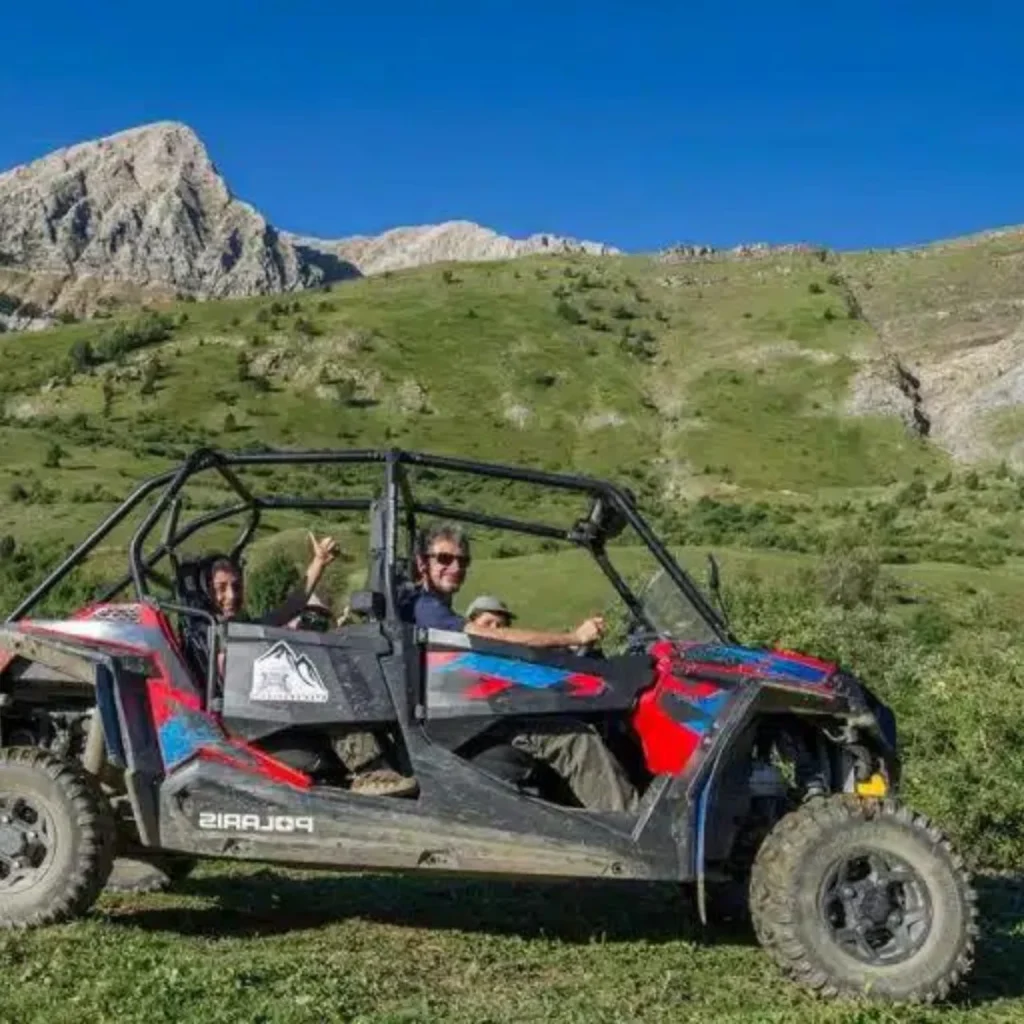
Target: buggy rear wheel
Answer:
[[56, 838], [864, 897]]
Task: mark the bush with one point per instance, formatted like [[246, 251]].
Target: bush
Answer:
[[53, 456], [913, 494], [149, 329], [815, 289], [848, 578], [270, 583], [569, 312], [931, 626], [308, 328], [81, 356]]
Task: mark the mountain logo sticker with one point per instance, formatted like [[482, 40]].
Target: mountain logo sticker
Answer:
[[282, 675]]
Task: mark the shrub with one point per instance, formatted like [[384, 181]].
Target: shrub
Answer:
[[308, 328], [149, 329], [270, 582], [849, 578], [81, 356], [913, 494], [569, 313], [53, 456]]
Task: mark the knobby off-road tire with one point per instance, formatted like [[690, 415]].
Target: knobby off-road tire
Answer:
[[141, 874], [57, 838], [831, 871]]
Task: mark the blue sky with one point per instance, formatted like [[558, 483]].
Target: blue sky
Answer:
[[852, 124]]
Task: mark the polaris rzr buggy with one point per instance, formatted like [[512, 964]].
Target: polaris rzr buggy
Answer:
[[142, 725]]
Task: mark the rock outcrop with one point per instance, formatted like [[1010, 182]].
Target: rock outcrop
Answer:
[[148, 208], [460, 240]]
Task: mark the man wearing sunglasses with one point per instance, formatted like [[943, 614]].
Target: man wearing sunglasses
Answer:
[[442, 561], [574, 749]]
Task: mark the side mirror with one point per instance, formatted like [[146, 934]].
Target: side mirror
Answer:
[[369, 603]]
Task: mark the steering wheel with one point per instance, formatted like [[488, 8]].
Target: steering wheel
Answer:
[[638, 640]]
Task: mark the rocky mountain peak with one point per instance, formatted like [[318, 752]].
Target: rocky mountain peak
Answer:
[[147, 210]]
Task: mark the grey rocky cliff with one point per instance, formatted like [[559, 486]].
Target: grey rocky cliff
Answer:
[[147, 207]]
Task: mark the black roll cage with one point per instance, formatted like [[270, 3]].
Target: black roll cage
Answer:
[[396, 489]]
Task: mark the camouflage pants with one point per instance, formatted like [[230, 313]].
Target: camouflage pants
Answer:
[[576, 751], [357, 751]]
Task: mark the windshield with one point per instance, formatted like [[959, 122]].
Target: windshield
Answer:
[[670, 612]]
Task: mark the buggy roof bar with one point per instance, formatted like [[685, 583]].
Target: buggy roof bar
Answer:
[[392, 462]]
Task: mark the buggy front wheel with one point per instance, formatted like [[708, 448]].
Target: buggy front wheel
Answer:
[[864, 898]]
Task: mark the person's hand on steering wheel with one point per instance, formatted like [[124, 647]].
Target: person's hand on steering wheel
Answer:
[[588, 632]]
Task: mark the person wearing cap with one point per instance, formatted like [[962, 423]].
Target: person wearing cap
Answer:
[[574, 749], [490, 612]]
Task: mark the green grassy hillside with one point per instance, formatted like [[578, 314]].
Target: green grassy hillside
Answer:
[[720, 391]]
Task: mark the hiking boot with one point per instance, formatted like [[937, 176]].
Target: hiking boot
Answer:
[[383, 782]]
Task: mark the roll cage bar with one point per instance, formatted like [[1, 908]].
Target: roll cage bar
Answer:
[[397, 492]]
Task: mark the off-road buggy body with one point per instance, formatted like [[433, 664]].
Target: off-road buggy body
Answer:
[[767, 768]]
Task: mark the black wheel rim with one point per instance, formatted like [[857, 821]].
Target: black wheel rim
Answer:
[[876, 907], [28, 843]]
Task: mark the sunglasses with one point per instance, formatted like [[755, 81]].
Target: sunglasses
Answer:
[[446, 558]]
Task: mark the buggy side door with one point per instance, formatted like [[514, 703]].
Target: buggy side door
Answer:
[[276, 678], [468, 682]]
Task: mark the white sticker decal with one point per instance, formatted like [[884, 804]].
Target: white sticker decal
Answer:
[[221, 822], [281, 674]]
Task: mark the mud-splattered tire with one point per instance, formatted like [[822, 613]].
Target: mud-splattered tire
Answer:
[[148, 874], [57, 839], [829, 873]]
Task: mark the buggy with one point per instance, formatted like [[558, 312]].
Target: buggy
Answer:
[[142, 725]]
